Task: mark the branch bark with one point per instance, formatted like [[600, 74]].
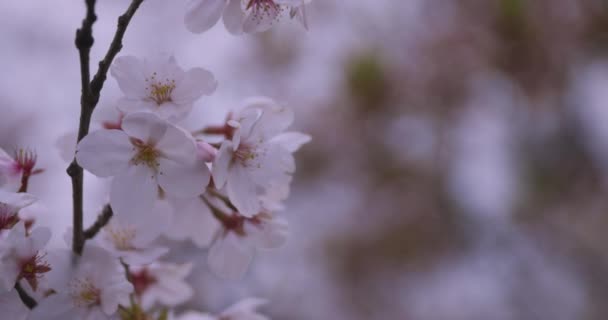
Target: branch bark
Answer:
[[91, 90], [101, 221], [27, 300]]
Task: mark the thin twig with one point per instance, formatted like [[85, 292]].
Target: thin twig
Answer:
[[103, 219], [222, 197], [217, 212], [89, 98], [27, 300], [115, 47]]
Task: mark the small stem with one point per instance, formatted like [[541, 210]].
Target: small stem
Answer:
[[25, 178], [222, 197], [27, 300], [103, 219], [127, 270], [217, 130], [217, 212]]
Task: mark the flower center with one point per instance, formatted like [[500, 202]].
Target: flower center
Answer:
[[122, 238], [262, 9], [84, 293], [146, 154], [159, 90], [33, 268], [245, 154], [261, 4]]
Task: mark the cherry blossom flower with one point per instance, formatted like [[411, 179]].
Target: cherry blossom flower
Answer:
[[90, 289], [131, 238], [10, 204], [22, 257], [159, 85], [259, 156], [12, 307], [242, 15], [149, 153], [13, 168], [235, 244], [162, 283]]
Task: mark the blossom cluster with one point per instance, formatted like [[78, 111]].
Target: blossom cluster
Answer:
[[220, 187]]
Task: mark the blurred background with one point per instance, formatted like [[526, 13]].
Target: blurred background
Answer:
[[459, 163]]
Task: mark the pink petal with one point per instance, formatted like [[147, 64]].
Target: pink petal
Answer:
[[229, 258], [105, 153], [134, 191], [129, 73], [201, 15], [242, 191]]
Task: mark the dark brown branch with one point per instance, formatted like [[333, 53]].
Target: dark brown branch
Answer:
[[89, 98], [115, 47], [27, 300], [103, 219]]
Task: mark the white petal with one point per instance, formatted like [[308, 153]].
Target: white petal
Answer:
[[115, 289], [242, 191], [145, 126], [105, 153], [9, 272], [221, 164], [177, 145], [60, 261], [156, 221], [193, 219], [183, 180], [234, 17], [129, 105], [59, 306], [193, 315], [170, 288], [196, 83], [228, 257], [274, 119], [144, 256], [201, 15], [245, 306], [206, 152], [171, 111], [291, 141], [66, 145], [17, 200], [129, 73], [247, 119], [271, 234], [272, 166], [40, 237], [134, 191]]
